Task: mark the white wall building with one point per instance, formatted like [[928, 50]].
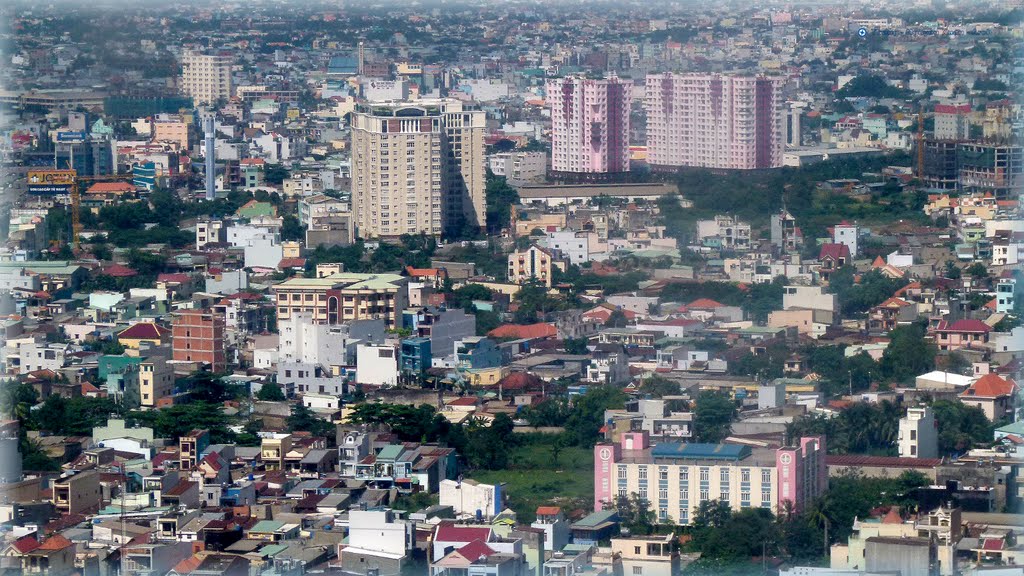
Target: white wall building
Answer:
[[377, 364], [471, 498], [919, 434]]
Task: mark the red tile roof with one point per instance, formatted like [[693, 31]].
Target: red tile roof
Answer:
[[993, 544], [464, 401], [965, 325], [548, 510], [119, 271], [173, 277], [291, 263], [704, 304], [475, 550], [540, 330], [26, 544], [990, 386], [520, 381], [100, 187], [880, 461], [55, 542], [834, 251]]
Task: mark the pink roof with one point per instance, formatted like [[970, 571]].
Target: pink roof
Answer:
[[451, 533], [951, 109]]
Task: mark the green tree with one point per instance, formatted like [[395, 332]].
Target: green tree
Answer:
[[576, 345], [302, 419], [500, 199], [291, 229], [275, 174], [961, 427], [908, 353], [657, 387], [270, 392], [713, 416]]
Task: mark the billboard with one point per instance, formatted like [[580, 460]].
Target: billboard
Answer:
[[70, 136], [50, 181]]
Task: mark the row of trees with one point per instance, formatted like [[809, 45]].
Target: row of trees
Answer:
[[874, 428]]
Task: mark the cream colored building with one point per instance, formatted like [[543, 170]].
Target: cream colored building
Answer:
[[173, 131], [647, 555], [534, 263], [942, 526], [675, 478], [417, 167], [343, 297], [205, 77], [273, 450]]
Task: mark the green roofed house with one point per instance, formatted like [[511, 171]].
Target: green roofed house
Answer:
[[273, 531], [595, 527]]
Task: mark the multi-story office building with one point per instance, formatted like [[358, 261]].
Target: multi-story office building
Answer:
[[343, 297], [714, 121], [417, 167], [675, 477], [589, 125], [205, 77], [198, 336]]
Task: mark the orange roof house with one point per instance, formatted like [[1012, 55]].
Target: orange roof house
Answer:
[[995, 395]]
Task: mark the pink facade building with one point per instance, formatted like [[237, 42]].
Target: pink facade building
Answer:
[[589, 125], [675, 477], [714, 121]]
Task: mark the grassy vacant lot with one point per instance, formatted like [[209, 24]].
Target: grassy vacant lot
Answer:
[[534, 478]]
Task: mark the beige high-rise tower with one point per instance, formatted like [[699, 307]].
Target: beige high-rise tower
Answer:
[[417, 167], [206, 78]]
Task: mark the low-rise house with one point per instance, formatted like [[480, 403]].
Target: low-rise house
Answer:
[[963, 334], [894, 312], [995, 395]]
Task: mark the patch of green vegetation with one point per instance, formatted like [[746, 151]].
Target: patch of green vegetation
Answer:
[[540, 475]]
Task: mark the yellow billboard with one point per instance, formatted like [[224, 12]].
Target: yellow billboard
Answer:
[[50, 181]]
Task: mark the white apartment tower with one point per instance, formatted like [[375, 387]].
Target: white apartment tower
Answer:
[[919, 434], [589, 125], [714, 121], [417, 167], [205, 78]]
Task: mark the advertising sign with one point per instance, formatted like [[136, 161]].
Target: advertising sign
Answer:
[[50, 181], [70, 136]]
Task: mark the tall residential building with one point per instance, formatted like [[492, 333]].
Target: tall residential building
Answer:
[[714, 121], [417, 167], [676, 477], [198, 336], [589, 125], [206, 78]]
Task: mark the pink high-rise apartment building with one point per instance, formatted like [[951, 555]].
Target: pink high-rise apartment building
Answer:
[[714, 121], [589, 125]]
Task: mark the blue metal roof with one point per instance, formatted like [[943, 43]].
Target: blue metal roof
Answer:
[[676, 450]]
